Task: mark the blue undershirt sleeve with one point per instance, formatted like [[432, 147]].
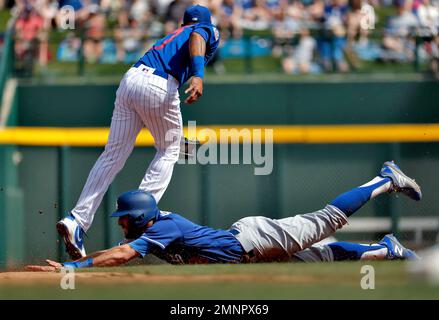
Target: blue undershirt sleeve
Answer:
[[203, 32]]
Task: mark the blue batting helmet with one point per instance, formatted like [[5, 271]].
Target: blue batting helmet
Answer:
[[197, 14], [139, 205]]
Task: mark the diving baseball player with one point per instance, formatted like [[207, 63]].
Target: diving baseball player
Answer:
[[253, 239], [147, 96]]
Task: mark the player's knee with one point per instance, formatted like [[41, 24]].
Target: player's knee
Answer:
[[172, 154]]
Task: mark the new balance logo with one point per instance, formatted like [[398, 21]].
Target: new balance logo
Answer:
[[398, 250]]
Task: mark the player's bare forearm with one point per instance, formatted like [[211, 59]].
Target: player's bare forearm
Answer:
[[106, 258], [92, 255], [101, 252], [197, 50], [115, 256]]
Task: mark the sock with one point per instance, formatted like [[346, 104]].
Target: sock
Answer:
[[351, 201], [353, 251]]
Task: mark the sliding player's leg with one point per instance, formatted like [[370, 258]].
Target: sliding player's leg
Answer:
[[275, 239], [389, 248]]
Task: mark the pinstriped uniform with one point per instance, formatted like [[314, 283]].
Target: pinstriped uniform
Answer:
[[142, 99], [147, 96]]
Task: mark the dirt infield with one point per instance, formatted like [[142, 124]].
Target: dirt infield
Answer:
[[24, 278], [252, 281]]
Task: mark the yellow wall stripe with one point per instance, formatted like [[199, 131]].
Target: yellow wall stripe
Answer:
[[50, 136]]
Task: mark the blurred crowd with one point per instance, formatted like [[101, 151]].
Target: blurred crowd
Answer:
[[307, 35]]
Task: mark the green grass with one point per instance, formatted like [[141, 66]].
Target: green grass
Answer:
[[56, 69], [70, 69], [4, 17], [266, 70], [268, 281]]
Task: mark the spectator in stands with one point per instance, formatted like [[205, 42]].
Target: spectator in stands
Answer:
[[78, 6], [68, 50], [94, 33], [29, 27], [129, 35], [301, 59], [125, 28], [398, 39], [140, 11], [110, 7], [404, 21], [314, 8], [360, 18], [48, 11], [275, 6], [245, 4], [257, 16], [333, 40], [294, 9], [428, 15], [360, 21], [285, 28], [174, 14], [229, 15], [142, 21], [160, 7]]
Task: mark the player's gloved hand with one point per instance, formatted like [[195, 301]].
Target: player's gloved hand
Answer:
[[195, 90]]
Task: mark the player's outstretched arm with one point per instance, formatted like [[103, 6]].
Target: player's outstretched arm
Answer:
[[197, 50], [92, 255], [112, 257], [116, 256]]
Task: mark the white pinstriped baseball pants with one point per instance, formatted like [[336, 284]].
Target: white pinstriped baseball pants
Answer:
[[142, 99]]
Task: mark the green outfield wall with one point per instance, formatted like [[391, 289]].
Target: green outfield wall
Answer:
[[40, 183], [237, 103]]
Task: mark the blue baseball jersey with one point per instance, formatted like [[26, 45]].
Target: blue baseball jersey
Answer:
[[171, 54], [177, 240]]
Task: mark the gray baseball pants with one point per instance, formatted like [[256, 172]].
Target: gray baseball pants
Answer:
[[290, 238]]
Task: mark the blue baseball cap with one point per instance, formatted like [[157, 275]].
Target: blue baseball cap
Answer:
[[197, 14]]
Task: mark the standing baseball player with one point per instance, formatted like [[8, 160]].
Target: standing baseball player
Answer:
[[147, 96], [253, 239]]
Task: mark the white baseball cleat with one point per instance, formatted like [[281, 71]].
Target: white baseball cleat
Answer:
[[400, 181], [73, 235]]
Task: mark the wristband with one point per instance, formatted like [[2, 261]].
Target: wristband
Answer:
[[80, 264], [198, 66]]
